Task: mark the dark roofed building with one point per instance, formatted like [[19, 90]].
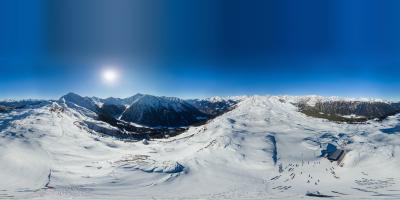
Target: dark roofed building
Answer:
[[328, 149], [337, 155]]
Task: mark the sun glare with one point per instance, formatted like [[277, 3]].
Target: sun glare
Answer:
[[110, 76]]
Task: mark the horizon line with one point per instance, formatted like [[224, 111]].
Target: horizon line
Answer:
[[211, 96]]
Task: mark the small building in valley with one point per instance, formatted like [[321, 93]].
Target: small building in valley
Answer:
[[333, 153], [336, 155]]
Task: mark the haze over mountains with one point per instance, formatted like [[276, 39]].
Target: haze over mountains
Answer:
[[248, 147]]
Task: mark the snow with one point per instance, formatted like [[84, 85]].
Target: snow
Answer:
[[352, 116], [225, 98], [146, 101], [143, 102], [263, 149], [311, 100]]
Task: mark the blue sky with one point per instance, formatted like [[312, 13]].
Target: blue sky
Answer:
[[191, 48]]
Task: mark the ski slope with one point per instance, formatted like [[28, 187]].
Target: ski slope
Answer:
[[263, 149]]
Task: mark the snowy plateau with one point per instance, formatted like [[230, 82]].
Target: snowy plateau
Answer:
[[249, 147]]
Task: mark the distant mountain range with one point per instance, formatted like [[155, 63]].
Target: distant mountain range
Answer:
[[348, 110], [157, 116], [149, 110]]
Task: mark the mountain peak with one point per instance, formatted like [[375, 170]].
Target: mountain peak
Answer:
[[77, 100], [70, 95]]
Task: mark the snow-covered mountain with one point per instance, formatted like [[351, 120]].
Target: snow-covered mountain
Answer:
[[214, 106], [147, 110], [162, 111], [74, 100], [348, 110], [264, 148], [116, 101]]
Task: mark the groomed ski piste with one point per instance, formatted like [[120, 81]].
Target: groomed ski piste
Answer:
[[262, 149]]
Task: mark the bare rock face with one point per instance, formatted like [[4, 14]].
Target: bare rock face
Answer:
[[350, 111]]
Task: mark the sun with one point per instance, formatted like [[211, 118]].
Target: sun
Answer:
[[110, 75]]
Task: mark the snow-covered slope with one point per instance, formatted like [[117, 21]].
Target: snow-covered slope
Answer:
[[75, 101], [117, 101], [263, 149]]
